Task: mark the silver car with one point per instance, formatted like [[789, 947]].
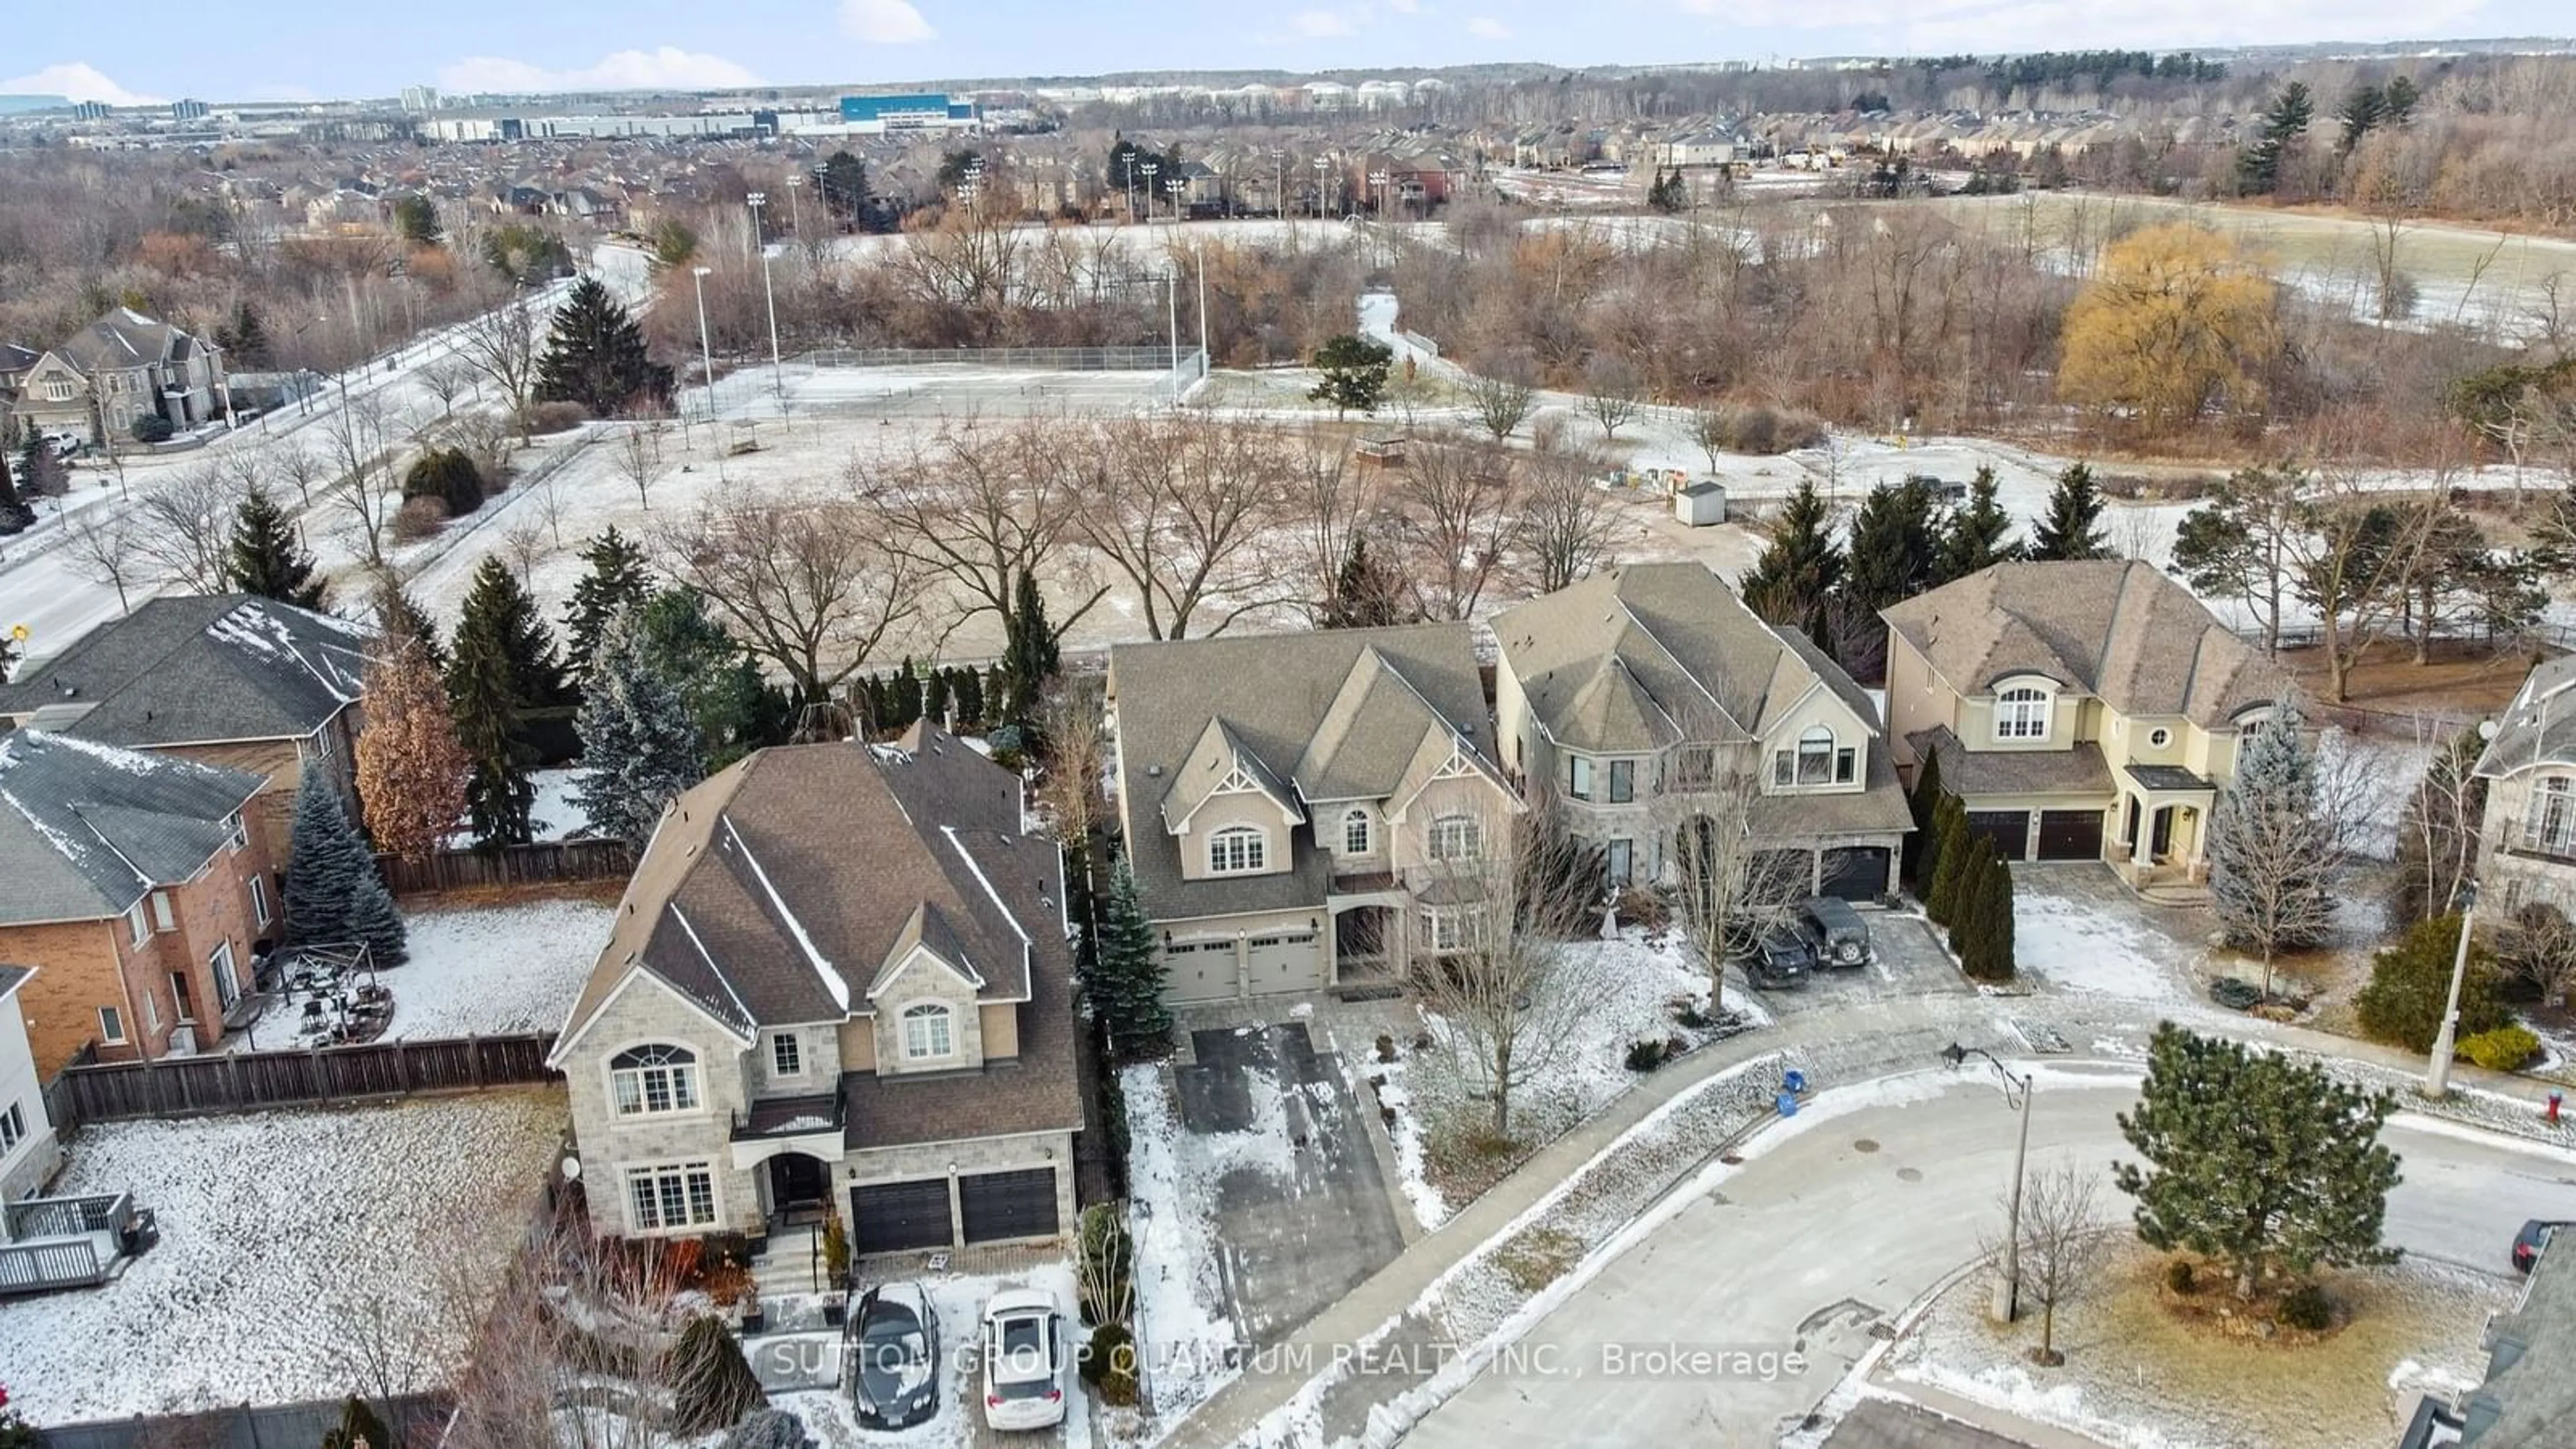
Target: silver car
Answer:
[[1024, 1357]]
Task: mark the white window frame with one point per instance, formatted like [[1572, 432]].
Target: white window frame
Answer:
[[786, 1054], [225, 971], [1450, 928], [13, 1129], [1238, 850], [111, 1026], [2549, 823], [2023, 712], [1358, 833], [137, 922], [1815, 756], [653, 1188], [664, 1069], [240, 838], [920, 1045], [1579, 777], [259, 900], [1456, 837], [164, 916]]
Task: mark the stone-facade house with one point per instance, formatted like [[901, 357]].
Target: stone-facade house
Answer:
[[840, 979], [1624, 690], [135, 891], [2080, 711], [2527, 842], [29, 1151], [225, 679], [120, 369], [1303, 811]]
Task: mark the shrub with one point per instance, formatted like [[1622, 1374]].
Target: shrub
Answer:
[[2179, 1279], [1108, 1290], [152, 428], [769, 1429], [556, 417], [2307, 1309], [712, 1387], [447, 475], [1644, 908], [1108, 1364], [2504, 1049], [836, 1248], [1385, 1047], [2410, 983], [1645, 1056], [418, 518], [2235, 993], [1688, 1014]]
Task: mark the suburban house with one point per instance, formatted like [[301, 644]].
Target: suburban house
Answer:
[[2527, 843], [29, 1152], [136, 893], [1303, 811], [839, 979], [226, 679], [120, 369], [1621, 689], [2080, 711], [2529, 1394]]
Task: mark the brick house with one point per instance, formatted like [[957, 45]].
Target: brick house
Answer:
[[136, 892], [839, 979], [225, 679]]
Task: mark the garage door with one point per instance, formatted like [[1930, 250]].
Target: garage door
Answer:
[[1856, 872], [2070, 835], [2008, 829], [1288, 961], [1199, 971], [891, 1217], [999, 1205]]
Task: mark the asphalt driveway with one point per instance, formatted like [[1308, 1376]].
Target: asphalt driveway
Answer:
[[1910, 964]]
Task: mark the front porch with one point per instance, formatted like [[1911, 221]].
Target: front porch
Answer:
[[2164, 823], [1371, 944]]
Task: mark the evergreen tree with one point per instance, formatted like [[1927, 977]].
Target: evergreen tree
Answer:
[[2256, 1159], [448, 475], [844, 185], [496, 606], [399, 619], [1922, 845], [1367, 593], [1800, 568], [1029, 656], [2272, 851], [1893, 547], [1355, 373], [358, 1427], [40, 473], [596, 356], [243, 339], [736, 710], [1127, 982], [1974, 536], [617, 581], [968, 690], [325, 863], [266, 558], [1992, 906], [2072, 528], [2397, 101], [15, 515], [1967, 903], [374, 921], [639, 746], [1952, 848], [2258, 166], [712, 1387], [501, 666], [2410, 988]]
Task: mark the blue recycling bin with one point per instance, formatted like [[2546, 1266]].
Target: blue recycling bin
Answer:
[[1793, 1081], [1788, 1105]]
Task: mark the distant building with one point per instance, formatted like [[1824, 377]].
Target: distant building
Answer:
[[90, 111], [925, 111], [419, 100], [118, 370], [189, 110]]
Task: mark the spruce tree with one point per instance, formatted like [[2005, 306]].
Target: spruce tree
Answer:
[[1127, 985], [399, 619], [617, 580], [498, 608], [595, 356], [358, 1426], [1029, 653], [712, 1386], [1967, 902], [934, 698], [325, 862], [39, 471], [373, 920], [498, 636], [968, 690], [1922, 846], [639, 746], [2072, 528], [1950, 825], [2272, 852], [266, 558], [736, 710], [1974, 536], [1893, 546], [1800, 568]]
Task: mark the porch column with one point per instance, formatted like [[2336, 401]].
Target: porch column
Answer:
[[2142, 851]]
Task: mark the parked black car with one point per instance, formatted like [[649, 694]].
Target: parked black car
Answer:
[[1783, 957], [896, 1343], [2535, 1235]]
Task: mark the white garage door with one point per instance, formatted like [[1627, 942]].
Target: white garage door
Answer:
[[1285, 962], [1199, 971]]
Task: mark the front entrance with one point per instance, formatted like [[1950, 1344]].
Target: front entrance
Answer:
[[2161, 846], [800, 1187]]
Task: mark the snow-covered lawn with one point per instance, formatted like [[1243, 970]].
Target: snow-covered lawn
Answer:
[[2075, 944], [495, 969], [1183, 1329], [283, 1236]]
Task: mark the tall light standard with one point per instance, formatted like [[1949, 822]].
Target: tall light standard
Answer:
[[1172, 319], [795, 219], [2007, 1304], [1322, 165], [1198, 255], [1149, 170], [706, 344], [2437, 1072], [1278, 182], [1378, 179], [777, 370], [1127, 167], [1175, 187]]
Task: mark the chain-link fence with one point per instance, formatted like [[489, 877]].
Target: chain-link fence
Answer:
[[1026, 359]]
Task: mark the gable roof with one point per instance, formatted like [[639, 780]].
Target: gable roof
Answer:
[[2539, 726], [2113, 628], [86, 829], [1342, 714], [774, 887], [1635, 658], [193, 670], [125, 338]]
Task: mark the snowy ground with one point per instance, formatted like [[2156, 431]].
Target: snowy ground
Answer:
[[2074, 944], [552, 815], [483, 971], [2373, 776], [283, 1237], [1183, 1330]]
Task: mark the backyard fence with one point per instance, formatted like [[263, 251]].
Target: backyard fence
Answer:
[[1034, 359], [417, 1421], [537, 864], [247, 1081]]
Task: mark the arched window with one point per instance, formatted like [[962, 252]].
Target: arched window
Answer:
[[1355, 833], [2550, 828], [1456, 837], [2021, 714], [1236, 849], [1816, 757], [654, 1078], [927, 1033]]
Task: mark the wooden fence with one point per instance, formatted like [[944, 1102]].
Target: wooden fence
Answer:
[[556, 860], [247, 1081]]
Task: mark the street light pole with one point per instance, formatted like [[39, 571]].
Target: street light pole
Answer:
[[1172, 319], [1198, 255], [706, 344], [1322, 165], [795, 218], [2007, 1300], [777, 369], [2437, 1072]]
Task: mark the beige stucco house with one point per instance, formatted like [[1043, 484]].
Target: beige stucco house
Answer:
[[839, 980], [1306, 811], [2080, 711], [2527, 843], [118, 370], [1619, 689]]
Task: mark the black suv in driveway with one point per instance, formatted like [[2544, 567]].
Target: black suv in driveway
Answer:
[[2535, 1235], [1783, 957], [1840, 936]]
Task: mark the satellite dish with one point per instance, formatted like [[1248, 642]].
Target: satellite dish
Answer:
[[2486, 729], [571, 1168]]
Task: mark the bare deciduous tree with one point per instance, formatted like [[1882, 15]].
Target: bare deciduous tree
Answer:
[[300, 466], [639, 454], [2064, 1244], [2538, 944], [1503, 393], [501, 346], [366, 488], [1333, 502], [183, 529], [447, 379], [1070, 718], [975, 509], [1180, 506], [102, 550], [1565, 519], [808, 582], [526, 544], [1459, 519], [1611, 389], [1729, 881]]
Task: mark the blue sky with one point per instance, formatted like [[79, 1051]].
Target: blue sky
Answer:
[[301, 48]]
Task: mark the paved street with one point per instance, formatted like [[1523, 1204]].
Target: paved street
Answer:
[[1846, 1223]]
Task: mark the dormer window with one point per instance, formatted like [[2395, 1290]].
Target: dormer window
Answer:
[[928, 1033], [1355, 833], [2021, 713], [1237, 850]]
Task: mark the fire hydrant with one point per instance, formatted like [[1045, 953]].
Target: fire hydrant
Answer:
[[2552, 1117]]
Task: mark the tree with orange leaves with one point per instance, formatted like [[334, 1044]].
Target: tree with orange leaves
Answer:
[[411, 770]]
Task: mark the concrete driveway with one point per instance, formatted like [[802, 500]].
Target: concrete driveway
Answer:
[[1303, 1213], [1818, 1241], [1910, 965]]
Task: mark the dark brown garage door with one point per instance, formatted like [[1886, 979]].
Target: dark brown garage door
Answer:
[[894, 1216], [2070, 835], [1000, 1205], [2008, 829], [1856, 872]]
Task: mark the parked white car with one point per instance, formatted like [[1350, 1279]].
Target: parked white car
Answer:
[[1024, 1355]]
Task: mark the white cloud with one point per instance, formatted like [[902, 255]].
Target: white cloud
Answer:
[[1486, 27], [77, 81], [1319, 24], [1938, 26], [1404, 7], [668, 68], [884, 22]]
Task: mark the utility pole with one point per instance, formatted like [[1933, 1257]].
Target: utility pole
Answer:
[[777, 369], [1198, 254], [2007, 1301], [795, 218], [2437, 1072]]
